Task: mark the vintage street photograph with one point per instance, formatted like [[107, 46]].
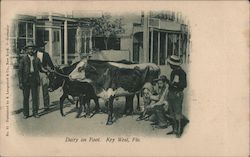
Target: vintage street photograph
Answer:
[[123, 74], [124, 78]]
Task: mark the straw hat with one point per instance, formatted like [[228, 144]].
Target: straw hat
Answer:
[[174, 60]]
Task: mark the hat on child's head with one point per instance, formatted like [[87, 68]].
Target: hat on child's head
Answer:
[[148, 86], [162, 78]]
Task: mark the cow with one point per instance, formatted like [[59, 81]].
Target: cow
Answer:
[[83, 90], [114, 79]]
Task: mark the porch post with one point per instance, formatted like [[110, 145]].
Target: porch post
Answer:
[[34, 33], [90, 40], [50, 35], [144, 57], [65, 42], [173, 44], [158, 50], [85, 44], [166, 46], [179, 48], [152, 46]]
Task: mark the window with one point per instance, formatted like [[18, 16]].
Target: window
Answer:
[[29, 30], [46, 35], [22, 29], [21, 34], [56, 36]]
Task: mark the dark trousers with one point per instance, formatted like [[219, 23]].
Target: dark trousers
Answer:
[[159, 112], [175, 100], [33, 87]]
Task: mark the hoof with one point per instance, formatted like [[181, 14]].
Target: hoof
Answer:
[[77, 116], [97, 111], [138, 109], [129, 114], [109, 123], [88, 116], [84, 115], [63, 115]]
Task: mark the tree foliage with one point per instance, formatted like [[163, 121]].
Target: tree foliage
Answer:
[[107, 27]]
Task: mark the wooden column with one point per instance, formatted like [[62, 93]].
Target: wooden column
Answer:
[[90, 40], [34, 33], [50, 36], [65, 42], [159, 47], [173, 45], [152, 45], [166, 46], [179, 48], [26, 33], [60, 39], [85, 44], [144, 57]]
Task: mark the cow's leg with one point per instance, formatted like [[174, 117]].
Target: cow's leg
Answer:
[[70, 100], [77, 104], [110, 111], [129, 105], [126, 105], [88, 107], [82, 102], [138, 102], [97, 105], [62, 98]]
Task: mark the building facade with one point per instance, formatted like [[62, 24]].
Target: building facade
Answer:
[[67, 37], [154, 39]]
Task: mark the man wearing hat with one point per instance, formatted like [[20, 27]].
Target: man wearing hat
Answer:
[[29, 79], [175, 95], [160, 103], [46, 66]]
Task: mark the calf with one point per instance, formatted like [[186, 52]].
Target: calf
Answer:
[[83, 90]]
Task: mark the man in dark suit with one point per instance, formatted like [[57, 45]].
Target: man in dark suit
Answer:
[[46, 66], [29, 79]]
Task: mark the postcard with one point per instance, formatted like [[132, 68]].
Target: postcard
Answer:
[[124, 78]]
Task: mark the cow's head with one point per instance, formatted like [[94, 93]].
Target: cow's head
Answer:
[[79, 72]]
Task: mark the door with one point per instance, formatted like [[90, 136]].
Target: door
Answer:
[[56, 46]]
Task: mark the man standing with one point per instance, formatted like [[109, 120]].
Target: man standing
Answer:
[[29, 79], [47, 65], [175, 95]]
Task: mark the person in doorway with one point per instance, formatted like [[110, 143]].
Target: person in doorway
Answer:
[[46, 66], [29, 79], [175, 95]]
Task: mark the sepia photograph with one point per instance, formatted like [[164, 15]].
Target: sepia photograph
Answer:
[[124, 78], [133, 66]]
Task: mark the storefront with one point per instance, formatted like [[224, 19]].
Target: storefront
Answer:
[[64, 38], [161, 38]]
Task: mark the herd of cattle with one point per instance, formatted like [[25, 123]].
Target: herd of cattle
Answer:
[[94, 79]]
